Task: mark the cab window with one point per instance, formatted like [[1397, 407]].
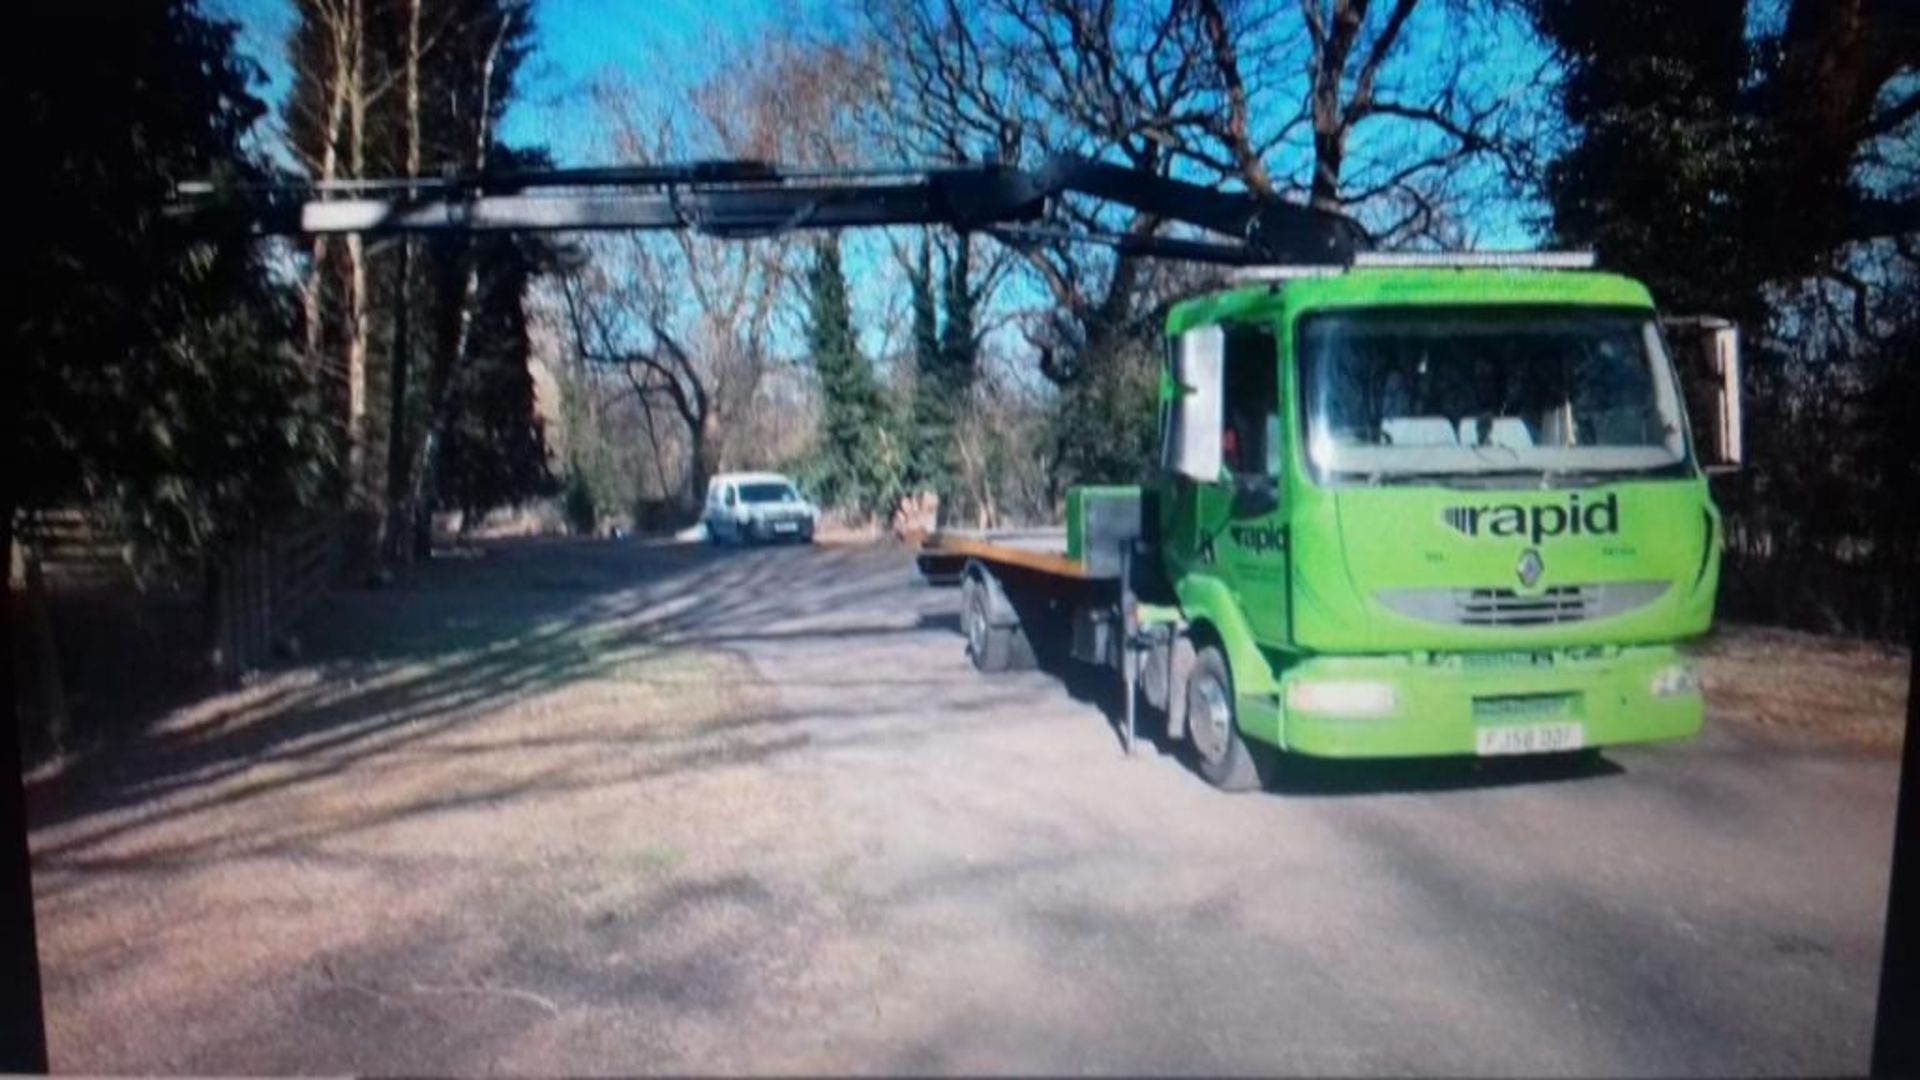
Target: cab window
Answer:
[[1249, 436]]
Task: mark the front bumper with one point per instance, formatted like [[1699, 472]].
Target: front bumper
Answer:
[[780, 528], [1443, 701]]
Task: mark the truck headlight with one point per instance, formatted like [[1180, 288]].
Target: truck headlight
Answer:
[[1675, 680], [1351, 697]]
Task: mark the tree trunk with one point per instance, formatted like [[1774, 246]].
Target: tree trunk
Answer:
[[402, 493], [39, 660], [703, 441], [216, 627], [448, 364], [413, 89], [357, 318], [357, 322], [1334, 44], [396, 544], [329, 168]]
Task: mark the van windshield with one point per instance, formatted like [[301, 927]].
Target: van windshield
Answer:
[[1487, 390], [768, 492]]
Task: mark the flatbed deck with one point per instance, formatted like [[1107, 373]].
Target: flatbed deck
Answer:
[[944, 554]]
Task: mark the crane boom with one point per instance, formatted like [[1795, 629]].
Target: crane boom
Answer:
[[750, 198]]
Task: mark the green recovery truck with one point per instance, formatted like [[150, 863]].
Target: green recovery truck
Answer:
[[1413, 506]]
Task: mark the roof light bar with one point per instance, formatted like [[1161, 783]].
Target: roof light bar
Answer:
[[1532, 260], [1253, 275], [1419, 260]]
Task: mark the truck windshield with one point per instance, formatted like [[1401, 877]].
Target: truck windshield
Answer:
[[1418, 392], [768, 493]]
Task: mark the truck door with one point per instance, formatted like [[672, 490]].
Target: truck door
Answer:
[[1243, 513]]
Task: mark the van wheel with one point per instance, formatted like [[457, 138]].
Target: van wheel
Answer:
[[1223, 756], [991, 648]]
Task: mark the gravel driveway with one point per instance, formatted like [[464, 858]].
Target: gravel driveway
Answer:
[[591, 808]]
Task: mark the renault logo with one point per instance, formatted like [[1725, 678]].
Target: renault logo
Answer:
[[1530, 568]]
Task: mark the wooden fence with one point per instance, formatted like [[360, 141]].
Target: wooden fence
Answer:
[[258, 592], [69, 550], [254, 593]]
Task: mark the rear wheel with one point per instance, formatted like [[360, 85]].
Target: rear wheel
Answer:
[[990, 647], [1224, 757]]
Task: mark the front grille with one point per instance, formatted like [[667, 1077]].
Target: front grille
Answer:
[[1504, 607], [1552, 606]]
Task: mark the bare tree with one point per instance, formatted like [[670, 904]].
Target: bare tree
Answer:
[[693, 321], [415, 472], [1274, 96], [327, 129], [351, 60], [1310, 99], [688, 319]]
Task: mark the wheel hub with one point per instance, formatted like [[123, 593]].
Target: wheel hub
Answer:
[[976, 629], [1209, 717]]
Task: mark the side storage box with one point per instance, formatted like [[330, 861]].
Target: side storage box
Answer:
[[1101, 522]]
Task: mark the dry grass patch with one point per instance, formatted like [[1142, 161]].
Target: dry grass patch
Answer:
[[1806, 686]]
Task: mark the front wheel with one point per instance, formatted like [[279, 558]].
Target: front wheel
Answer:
[[1224, 757]]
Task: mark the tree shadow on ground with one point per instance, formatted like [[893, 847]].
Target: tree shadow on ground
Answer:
[[390, 669], [127, 655]]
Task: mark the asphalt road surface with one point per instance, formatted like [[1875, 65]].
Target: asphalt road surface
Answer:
[[603, 808]]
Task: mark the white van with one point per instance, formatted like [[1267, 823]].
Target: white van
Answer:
[[749, 507]]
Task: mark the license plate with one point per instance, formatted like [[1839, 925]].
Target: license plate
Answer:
[[1529, 738], [784, 526]]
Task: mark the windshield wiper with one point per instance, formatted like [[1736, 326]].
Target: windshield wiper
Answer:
[[1483, 478], [1381, 478], [1547, 477]]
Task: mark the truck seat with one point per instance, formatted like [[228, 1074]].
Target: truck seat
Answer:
[[1508, 431], [1419, 431]]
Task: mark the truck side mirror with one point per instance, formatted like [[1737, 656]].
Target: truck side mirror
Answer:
[[1708, 355], [1193, 444]]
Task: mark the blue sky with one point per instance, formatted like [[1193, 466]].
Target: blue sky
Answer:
[[665, 46], [663, 43], [668, 45]]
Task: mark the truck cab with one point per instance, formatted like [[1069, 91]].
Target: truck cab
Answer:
[[1436, 511]]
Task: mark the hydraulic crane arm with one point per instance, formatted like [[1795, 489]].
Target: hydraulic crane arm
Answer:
[[745, 198]]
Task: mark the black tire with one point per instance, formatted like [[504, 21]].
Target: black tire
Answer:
[[992, 648], [1221, 754]]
